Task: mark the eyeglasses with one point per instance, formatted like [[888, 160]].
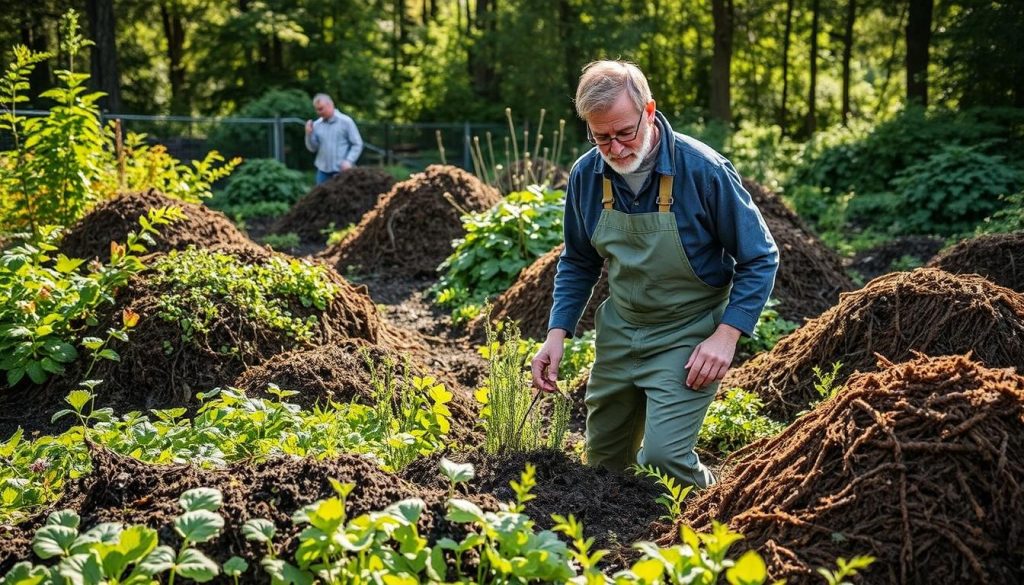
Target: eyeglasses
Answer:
[[606, 139]]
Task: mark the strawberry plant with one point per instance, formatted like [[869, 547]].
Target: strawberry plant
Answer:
[[46, 301]]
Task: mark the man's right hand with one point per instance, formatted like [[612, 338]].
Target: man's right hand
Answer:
[[545, 364], [309, 127]]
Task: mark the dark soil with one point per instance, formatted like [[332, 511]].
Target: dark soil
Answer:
[[879, 260], [112, 220], [810, 275], [342, 372], [524, 173], [410, 230], [528, 300], [341, 201], [927, 311], [997, 257], [160, 369], [121, 489], [616, 509], [920, 465]]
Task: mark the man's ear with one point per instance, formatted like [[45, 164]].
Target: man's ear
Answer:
[[651, 106]]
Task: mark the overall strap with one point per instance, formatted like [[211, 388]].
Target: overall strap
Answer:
[[607, 199], [665, 194]]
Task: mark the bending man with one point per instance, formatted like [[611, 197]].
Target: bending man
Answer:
[[690, 266], [334, 138]]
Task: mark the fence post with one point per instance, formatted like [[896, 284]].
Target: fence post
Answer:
[[387, 143], [467, 162], [279, 139]]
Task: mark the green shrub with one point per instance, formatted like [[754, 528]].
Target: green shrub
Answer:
[[735, 421], [238, 138], [769, 330], [1008, 219], [949, 193], [261, 186], [499, 243]]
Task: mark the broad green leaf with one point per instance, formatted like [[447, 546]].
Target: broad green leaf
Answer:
[[92, 343], [36, 373], [68, 518], [135, 544], [457, 472], [410, 509], [285, 573], [192, 564], [53, 540], [24, 573], [748, 570], [66, 265], [202, 498], [463, 511], [235, 566], [78, 399], [259, 530], [199, 525], [158, 561], [64, 352], [82, 569]]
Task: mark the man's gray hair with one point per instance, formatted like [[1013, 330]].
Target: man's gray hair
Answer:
[[322, 97], [603, 81]]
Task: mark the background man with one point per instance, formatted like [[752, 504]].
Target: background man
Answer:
[[334, 138], [690, 263]]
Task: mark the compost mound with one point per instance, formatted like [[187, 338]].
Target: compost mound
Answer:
[[121, 489], [810, 276], [349, 371], [111, 221], [920, 465], [872, 263], [927, 311], [615, 509], [340, 201], [160, 368], [410, 230], [997, 257], [528, 300], [540, 171]]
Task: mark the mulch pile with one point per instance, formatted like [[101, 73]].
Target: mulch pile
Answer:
[[810, 275], [920, 465], [528, 300], [524, 173], [615, 509], [342, 372], [159, 369], [121, 489], [927, 311], [342, 200], [410, 230], [997, 257], [111, 220], [872, 263]]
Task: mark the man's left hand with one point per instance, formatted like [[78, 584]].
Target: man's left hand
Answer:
[[345, 165], [712, 357]]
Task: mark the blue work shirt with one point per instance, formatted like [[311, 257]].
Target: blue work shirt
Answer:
[[722, 232]]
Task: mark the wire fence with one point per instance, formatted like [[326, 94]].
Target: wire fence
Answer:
[[414, 146]]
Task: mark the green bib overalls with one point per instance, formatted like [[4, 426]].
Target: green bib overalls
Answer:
[[658, 311]]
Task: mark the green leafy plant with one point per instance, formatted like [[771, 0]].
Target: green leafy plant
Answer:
[[195, 277], [845, 569], [46, 302], [1008, 219], [675, 493], [499, 243], [734, 421], [511, 416], [825, 382], [260, 187], [769, 330], [286, 241]]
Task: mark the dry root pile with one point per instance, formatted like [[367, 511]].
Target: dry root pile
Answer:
[[927, 311], [410, 231], [920, 465], [997, 257], [113, 219], [340, 201]]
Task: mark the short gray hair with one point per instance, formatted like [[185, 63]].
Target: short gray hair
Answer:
[[322, 97], [603, 81]]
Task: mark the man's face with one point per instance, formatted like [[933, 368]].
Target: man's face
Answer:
[[324, 109], [625, 152]]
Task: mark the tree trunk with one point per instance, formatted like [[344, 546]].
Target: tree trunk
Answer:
[[481, 51], [783, 109], [103, 60], [174, 30], [919, 33], [851, 15], [723, 14], [811, 123]]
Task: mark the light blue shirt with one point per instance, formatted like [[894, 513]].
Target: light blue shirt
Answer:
[[334, 140]]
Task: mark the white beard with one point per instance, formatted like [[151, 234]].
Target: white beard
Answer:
[[634, 163]]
